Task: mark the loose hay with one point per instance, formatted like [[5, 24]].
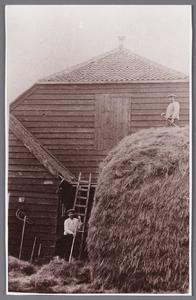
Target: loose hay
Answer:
[[138, 240]]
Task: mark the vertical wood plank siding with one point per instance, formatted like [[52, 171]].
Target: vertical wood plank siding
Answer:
[[65, 117], [26, 178]]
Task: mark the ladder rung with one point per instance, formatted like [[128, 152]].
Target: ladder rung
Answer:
[[84, 190], [81, 197], [79, 205], [81, 231], [83, 181]]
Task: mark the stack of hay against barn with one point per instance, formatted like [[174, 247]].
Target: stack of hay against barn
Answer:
[[139, 227]]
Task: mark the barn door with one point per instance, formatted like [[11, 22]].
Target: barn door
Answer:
[[112, 119]]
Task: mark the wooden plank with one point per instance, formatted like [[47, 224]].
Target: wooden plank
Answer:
[[112, 85], [37, 181], [28, 242], [156, 111], [55, 107], [29, 165], [152, 123], [62, 130], [167, 86], [82, 158], [119, 89], [58, 94], [33, 194], [41, 236], [154, 106], [154, 117], [68, 147], [85, 152], [89, 169], [33, 188], [56, 100], [23, 161], [29, 168], [30, 200], [18, 149], [67, 141], [36, 228], [66, 157], [53, 113], [134, 87], [23, 174], [36, 214], [56, 118], [58, 124], [74, 135], [45, 222], [159, 100], [32, 207]]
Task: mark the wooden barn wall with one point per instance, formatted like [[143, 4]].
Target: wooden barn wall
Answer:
[[62, 117], [26, 178]]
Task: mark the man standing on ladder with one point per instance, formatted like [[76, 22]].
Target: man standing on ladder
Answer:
[[172, 112], [71, 227]]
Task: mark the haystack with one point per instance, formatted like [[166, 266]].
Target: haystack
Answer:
[[138, 238]]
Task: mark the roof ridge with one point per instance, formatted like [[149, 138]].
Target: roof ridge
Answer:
[[77, 66]]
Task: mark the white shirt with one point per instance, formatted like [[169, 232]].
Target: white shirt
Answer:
[[173, 110], [71, 226]]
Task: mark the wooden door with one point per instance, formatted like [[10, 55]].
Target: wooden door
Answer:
[[112, 119]]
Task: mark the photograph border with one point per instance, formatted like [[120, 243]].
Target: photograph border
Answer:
[[3, 150]]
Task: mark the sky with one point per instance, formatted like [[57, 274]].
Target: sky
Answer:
[[44, 39]]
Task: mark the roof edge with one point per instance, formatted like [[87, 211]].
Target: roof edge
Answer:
[[23, 96], [112, 82]]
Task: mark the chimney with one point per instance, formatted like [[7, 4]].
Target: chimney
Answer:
[[121, 40]]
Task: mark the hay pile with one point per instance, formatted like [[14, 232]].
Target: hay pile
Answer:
[[56, 276], [138, 239]]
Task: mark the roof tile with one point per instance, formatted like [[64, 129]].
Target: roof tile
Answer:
[[117, 65]]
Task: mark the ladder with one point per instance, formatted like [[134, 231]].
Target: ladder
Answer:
[[81, 206]]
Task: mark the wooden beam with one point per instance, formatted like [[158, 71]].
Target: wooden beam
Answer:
[[42, 154]]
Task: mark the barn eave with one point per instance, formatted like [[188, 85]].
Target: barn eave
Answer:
[[112, 82]]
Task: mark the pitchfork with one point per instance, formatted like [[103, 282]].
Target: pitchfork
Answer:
[[22, 216]]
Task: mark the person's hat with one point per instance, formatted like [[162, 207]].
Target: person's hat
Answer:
[[171, 95], [70, 210]]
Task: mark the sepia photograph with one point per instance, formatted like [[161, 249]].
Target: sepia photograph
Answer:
[[98, 115]]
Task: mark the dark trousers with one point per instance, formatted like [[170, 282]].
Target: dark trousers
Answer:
[[67, 244]]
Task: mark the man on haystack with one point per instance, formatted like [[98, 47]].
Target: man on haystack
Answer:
[[172, 112], [71, 227]]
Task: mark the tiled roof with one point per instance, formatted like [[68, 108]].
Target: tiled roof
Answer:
[[119, 65]]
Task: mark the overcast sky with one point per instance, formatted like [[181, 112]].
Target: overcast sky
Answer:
[[42, 40]]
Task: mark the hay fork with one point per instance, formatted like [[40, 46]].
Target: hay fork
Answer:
[[23, 217]]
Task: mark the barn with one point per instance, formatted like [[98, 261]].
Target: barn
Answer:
[[65, 124]]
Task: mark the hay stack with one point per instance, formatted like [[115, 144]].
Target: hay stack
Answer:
[[138, 237]]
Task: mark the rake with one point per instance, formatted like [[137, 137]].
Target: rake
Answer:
[[23, 217]]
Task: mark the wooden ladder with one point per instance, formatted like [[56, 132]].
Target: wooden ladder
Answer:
[[81, 206]]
